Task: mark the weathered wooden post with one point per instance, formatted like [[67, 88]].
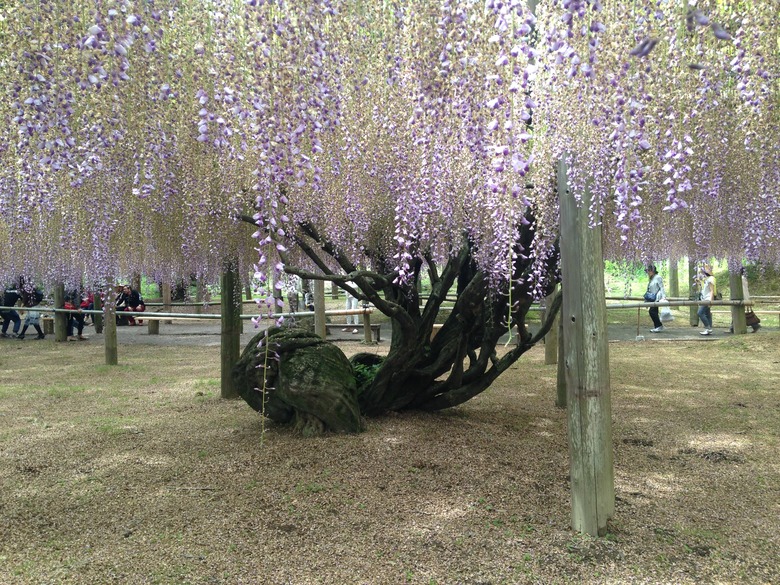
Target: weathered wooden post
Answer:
[[551, 339], [674, 277], [60, 319], [109, 329], [693, 293], [367, 326], [97, 305], [738, 322], [319, 309], [560, 396], [165, 292], [231, 326], [586, 358]]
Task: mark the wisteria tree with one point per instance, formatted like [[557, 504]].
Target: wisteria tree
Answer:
[[374, 142]]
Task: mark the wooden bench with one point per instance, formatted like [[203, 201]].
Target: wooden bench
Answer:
[[340, 326]]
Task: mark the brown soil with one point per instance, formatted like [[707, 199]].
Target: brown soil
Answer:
[[140, 474]]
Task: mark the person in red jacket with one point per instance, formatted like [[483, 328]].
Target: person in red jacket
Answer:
[[74, 320]]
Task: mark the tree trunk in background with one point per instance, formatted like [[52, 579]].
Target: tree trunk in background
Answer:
[[693, 292], [674, 277], [60, 319], [334, 291], [199, 296], [584, 318], [231, 326], [135, 282]]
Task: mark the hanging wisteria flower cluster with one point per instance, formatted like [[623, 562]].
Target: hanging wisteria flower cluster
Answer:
[[135, 133]]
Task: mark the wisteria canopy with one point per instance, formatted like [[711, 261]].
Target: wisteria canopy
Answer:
[[135, 134]]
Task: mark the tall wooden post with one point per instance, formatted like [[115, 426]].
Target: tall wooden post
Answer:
[[60, 319], [586, 357], [551, 339], [737, 312], [674, 278], [165, 292], [231, 327], [693, 293], [319, 309], [109, 330], [560, 386], [367, 327], [97, 305]]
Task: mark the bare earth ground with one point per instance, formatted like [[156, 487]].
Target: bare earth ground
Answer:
[[139, 473]]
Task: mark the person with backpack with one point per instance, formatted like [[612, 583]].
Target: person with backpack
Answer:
[[654, 293], [708, 294]]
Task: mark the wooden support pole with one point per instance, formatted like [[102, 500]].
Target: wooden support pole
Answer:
[[738, 321], [693, 292], [97, 305], [165, 292], [60, 319], [231, 327], [586, 354], [109, 329], [674, 277], [560, 397], [367, 328], [551, 339], [319, 309]]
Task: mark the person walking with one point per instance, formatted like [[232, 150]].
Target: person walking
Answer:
[[654, 293], [10, 297], [708, 291]]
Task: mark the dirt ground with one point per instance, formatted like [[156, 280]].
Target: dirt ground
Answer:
[[139, 473]]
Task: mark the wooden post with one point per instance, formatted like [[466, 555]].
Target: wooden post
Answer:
[[109, 330], [693, 293], [551, 339], [586, 354], [367, 327], [674, 278], [737, 312], [165, 292], [97, 305], [60, 319], [319, 309], [231, 326], [560, 396]]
